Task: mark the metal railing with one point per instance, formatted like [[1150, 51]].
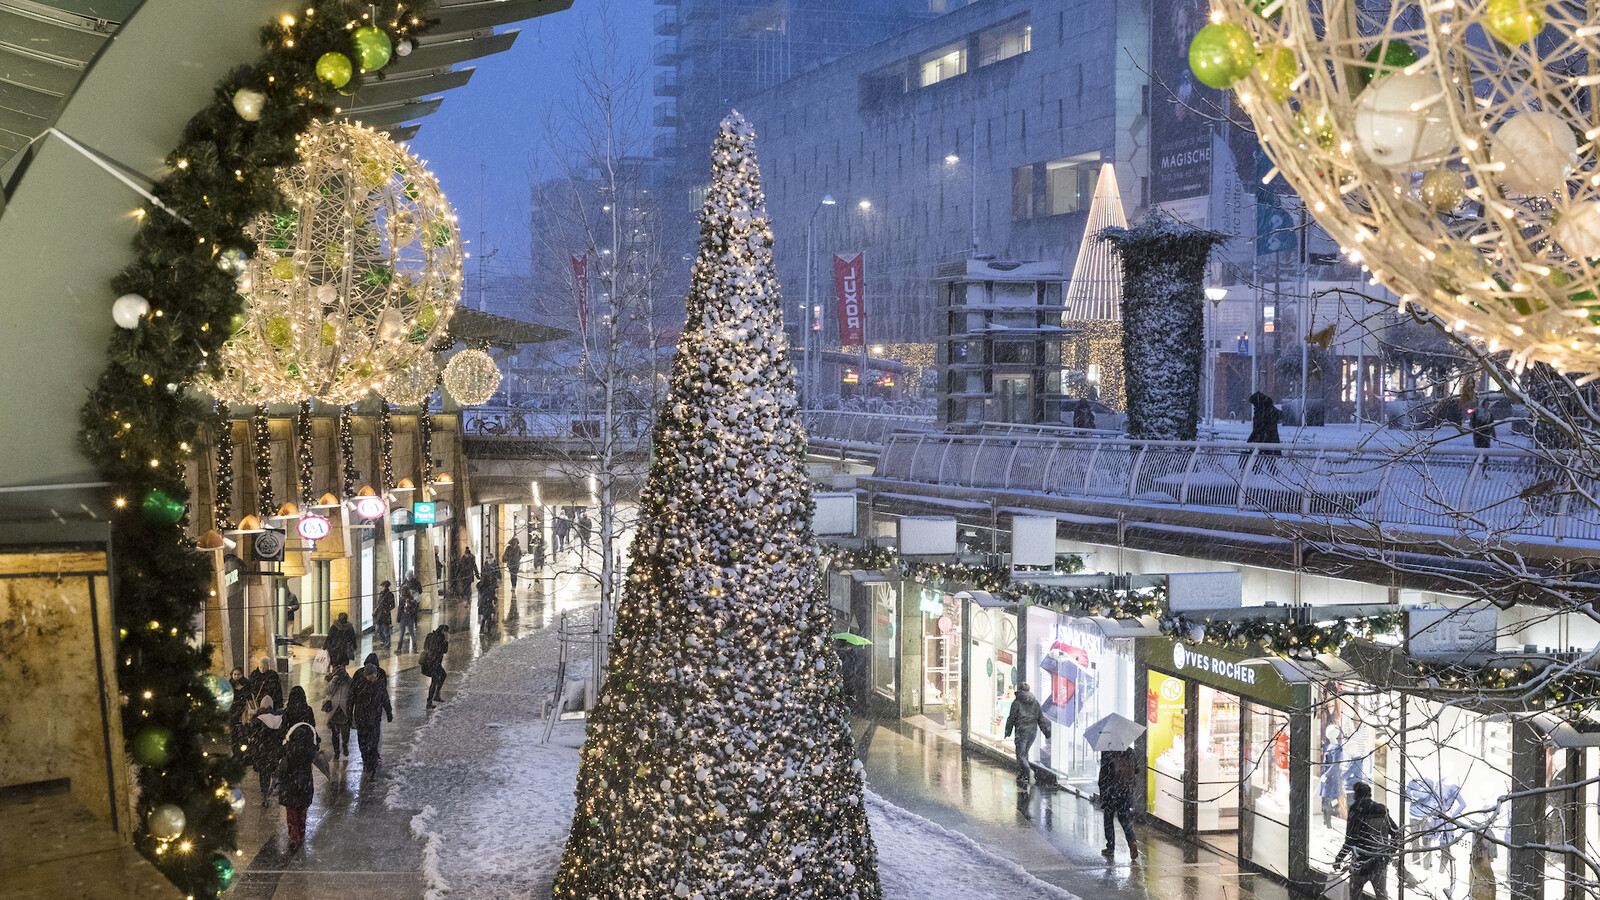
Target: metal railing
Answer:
[[1440, 491], [860, 429]]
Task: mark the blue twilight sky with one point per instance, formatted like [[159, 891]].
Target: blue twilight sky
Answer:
[[494, 132]]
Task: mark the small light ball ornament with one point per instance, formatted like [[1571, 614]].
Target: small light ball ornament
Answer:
[[354, 280], [221, 691], [1440, 145], [167, 822], [471, 377], [128, 310], [248, 104], [151, 746]]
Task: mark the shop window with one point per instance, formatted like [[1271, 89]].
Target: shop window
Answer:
[[885, 659], [943, 64], [1004, 41], [1458, 766], [1264, 820], [1165, 743], [1080, 677], [994, 675], [1218, 778]]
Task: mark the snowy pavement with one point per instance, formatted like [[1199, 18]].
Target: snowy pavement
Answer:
[[496, 802]]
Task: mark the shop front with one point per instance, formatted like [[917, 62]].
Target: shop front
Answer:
[[993, 664], [1228, 748], [1081, 671]]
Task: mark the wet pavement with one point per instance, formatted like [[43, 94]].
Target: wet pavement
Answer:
[[356, 847]]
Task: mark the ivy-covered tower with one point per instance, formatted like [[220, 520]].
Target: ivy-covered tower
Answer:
[[719, 764]]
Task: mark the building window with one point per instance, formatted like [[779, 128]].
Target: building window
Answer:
[[1053, 188], [1004, 41], [946, 62], [1022, 193]]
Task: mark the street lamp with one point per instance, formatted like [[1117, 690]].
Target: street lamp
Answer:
[[812, 343], [1215, 295]]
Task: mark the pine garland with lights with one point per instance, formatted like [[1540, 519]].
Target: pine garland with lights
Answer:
[[719, 764], [385, 446], [347, 448], [425, 438], [139, 423], [304, 448], [222, 442], [261, 442], [1285, 638]]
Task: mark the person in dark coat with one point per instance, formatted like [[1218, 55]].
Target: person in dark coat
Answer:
[[1083, 415], [263, 683], [438, 566], [295, 788], [466, 572], [536, 547], [1027, 720], [488, 597], [434, 648], [563, 528], [1264, 419], [241, 696], [410, 611], [1369, 841], [585, 527], [513, 561], [337, 705], [1116, 783], [341, 641], [291, 610], [369, 705], [1482, 423], [382, 616], [297, 709], [265, 739]]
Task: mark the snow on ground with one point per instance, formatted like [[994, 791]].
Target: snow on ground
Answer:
[[496, 803]]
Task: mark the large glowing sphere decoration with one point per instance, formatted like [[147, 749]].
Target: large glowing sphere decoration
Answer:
[[1449, 148], [471, 377], [353, 280], [413, 384]]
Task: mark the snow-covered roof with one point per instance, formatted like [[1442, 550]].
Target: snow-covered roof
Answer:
[[999, 270]]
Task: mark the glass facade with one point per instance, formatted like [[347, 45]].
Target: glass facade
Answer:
[[885, 634], [1457, 769], [1264, 816], [992, 660], [1080, 677]]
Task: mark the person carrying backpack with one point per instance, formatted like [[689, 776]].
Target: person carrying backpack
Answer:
[[1370, 840]]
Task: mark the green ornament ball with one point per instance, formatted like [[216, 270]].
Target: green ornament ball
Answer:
[[373, 48], [1278, 69], [288, 220], [162, 508], [330, 334], [417, 336], [283, 269], [427, 317], [221, 691], [237, 323], [1221, 54], [278, 332], [223, 866], [152, 746], [1514, 21], [1391, 55], [334, 69], [378, 276]]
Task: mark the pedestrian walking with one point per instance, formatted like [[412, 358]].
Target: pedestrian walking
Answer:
[[369, 706], [266, 728], [241, 697], [438, 567], [488, 597], [466, 572], [336, 703], [1117, 773], [1482, 422], [536, 549], [1027, 720], [297, 709], [341, 641], [291, 611], [513, 561], [262, 684], [295, 788], [563, 528], [1083, 415], [585, 528], [1369, 843], [434, 648], [382, 627], [410, 612], [1264, 419]]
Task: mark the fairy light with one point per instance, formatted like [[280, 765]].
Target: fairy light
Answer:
[[261, 439], [223, 444]]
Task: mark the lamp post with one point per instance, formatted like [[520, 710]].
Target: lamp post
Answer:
[[1215, 295], [811, 342]]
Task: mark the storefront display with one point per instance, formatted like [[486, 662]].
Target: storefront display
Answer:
[[992, 662], [941, 655], [1080, 677], [1218, 773], [1165, 743], [885, 629], [1458, 767], [1264, 819]]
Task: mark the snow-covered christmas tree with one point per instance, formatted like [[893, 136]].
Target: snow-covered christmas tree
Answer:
[[719, 763]]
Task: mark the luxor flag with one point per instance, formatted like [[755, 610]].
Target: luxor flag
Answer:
[[580, 277], [849, 277]]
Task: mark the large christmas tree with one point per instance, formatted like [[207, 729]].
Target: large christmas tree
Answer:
[[719, 763]]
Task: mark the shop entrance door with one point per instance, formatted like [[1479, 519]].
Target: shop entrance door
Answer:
[[941, 663], [1217, 770]]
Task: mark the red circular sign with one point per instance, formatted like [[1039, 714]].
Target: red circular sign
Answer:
[[314, 528]]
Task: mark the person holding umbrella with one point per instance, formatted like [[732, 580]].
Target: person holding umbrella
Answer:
[[1114, 737]]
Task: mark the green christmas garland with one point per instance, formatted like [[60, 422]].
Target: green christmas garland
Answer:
[[140, 423]]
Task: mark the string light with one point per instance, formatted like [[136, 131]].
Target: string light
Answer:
[[261, 439], [347, 448], [385, 447], [303, 446], [223, 443]]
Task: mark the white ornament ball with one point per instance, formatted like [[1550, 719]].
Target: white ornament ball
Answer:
[[471, 377], [167, 821], [129, 309], [1400, 121], [1578, 232], [404, 48], [248, 104], [236, 800], [1537, 150]]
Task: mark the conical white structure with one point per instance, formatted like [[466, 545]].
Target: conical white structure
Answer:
[[1095, 292]]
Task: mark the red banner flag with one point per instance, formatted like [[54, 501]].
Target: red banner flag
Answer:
[[580, 276], [849, 274]]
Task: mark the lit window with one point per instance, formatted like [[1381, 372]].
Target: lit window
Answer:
[[1003, 42], [946, 62]]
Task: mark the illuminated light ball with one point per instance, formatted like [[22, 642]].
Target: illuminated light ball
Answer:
[[412, 385], [403, 48], [283, 269], [152, 746], [237, 323], [372, 48], [1578, 232], [471, 377], [1221, 54], [129, 309], [1513, 21], [162, 508], [167, 821], [334, 69], [223, 867], [1538, 151], [1387, 58], [248, 104], [1443, 189], [1398, 127], [221, 691], [1278, 69]]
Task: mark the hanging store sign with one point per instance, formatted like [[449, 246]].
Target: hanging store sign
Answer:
[[370, 507], [314, 528], [423, 513], [1184, 659], [849, 286], [268, 545]]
